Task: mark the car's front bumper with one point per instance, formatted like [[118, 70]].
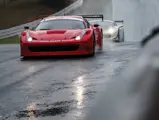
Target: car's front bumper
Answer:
[[52, 48]]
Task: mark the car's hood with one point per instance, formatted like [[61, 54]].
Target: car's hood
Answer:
[[54, 34]]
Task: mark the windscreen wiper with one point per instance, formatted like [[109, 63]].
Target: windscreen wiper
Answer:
[[154, 33], [44, 29]]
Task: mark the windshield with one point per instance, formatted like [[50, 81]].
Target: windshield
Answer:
[[61, 24]]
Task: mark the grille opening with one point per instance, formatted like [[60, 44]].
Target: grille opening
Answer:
[[53, 48]]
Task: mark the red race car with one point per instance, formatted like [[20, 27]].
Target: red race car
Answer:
[[62, 35]]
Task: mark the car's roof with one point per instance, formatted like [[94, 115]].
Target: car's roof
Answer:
[[80, 18]]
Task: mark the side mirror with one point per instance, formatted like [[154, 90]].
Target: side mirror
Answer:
[[96, 25], [26, 27]]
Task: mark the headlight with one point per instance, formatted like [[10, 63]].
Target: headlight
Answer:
[[29, 38], [111, 30], [78, 38]]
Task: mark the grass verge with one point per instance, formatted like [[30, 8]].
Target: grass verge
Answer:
[[10, 40]]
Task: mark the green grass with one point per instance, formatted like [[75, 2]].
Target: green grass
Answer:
[[10, 40]]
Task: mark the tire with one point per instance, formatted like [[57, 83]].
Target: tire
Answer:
[[102, 39], [94, 42], [121, 35], [23, 58], [102, 34]]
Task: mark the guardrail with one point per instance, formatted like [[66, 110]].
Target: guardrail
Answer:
[[18, 29]]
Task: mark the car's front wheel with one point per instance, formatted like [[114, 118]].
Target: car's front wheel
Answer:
[[121, 35], [94, 43], [22, 58]]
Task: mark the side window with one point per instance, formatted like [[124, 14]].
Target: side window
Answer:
[[87, 23]]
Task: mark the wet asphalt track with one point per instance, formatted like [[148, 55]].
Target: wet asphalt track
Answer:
[[66, 88]]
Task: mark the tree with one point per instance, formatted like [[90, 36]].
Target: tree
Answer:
[[5, 2]]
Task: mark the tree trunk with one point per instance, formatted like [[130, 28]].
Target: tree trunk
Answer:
[[5, 2]]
